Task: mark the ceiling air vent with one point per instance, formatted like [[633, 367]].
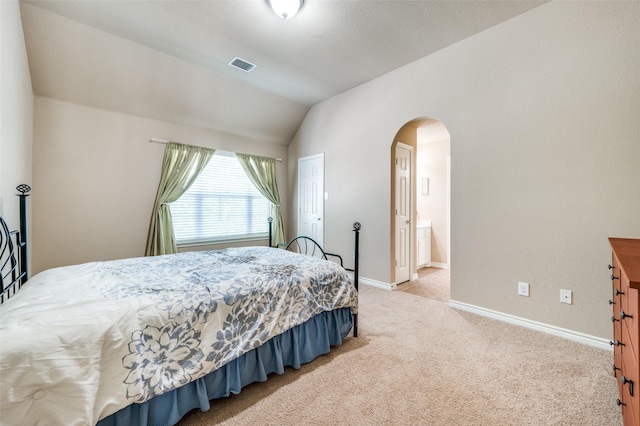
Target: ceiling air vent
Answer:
[[242, 64]]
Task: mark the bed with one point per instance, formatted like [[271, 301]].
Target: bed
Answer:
[[145, 340]]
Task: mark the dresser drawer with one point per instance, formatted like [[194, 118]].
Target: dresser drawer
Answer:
[[629, 319], [617, 366], [629, 374]]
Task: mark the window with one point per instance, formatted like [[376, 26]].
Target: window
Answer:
[[221, 205]]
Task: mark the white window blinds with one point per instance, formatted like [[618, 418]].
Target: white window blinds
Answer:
[[221, 205]]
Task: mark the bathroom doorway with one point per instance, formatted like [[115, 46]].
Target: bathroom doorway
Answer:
[[433, 175], [430, 250]]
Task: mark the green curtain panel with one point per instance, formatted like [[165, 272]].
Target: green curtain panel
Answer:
[[181, 166], [262, 172]]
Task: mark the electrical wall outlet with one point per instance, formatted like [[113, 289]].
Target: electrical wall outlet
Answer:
[[566, 296], [523, 289]]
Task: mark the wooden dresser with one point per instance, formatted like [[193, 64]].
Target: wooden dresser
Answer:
[[625, 278]]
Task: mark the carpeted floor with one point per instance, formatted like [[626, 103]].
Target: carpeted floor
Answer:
[[432, 283], [418, 361]]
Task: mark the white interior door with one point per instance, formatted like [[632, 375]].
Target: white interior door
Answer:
[[403, 212], [311, 197]]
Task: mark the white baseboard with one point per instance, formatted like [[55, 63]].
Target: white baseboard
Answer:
[[586, 339], [435, 265], [377, 284]]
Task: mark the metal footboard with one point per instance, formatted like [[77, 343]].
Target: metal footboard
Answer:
[[309, 247]]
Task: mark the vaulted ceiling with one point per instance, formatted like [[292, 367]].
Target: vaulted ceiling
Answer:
[[168, 60]]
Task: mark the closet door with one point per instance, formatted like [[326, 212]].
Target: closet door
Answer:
[[311, 197]]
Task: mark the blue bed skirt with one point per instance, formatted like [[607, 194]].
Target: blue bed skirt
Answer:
[[297, 346]]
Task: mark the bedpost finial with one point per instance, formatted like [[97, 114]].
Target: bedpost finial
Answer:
[[23, 188], [357, 226]]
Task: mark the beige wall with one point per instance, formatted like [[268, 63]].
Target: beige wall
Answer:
[[543, 115], [96, 176], [16, 112], [431, 163]]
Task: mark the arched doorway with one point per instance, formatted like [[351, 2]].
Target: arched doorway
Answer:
[[428, 142]]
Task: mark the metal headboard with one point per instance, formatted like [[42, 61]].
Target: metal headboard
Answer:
[[13, 251]]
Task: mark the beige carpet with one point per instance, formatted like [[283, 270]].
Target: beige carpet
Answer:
[[433, 283], [419, 362]]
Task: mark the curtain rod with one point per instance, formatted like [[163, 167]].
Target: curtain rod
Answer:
[[156, 140]]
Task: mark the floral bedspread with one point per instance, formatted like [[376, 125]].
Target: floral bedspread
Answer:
[[81, 342]]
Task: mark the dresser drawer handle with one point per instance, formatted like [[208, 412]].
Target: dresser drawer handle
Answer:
[[611, 302], [614, 319], [620, 403], [616, 343], [618, 292], [614, 368], [624, 315], [611, 267], [614, 278], [626, 381]]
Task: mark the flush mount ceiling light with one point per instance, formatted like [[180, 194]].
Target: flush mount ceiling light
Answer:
[[286, 9]]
